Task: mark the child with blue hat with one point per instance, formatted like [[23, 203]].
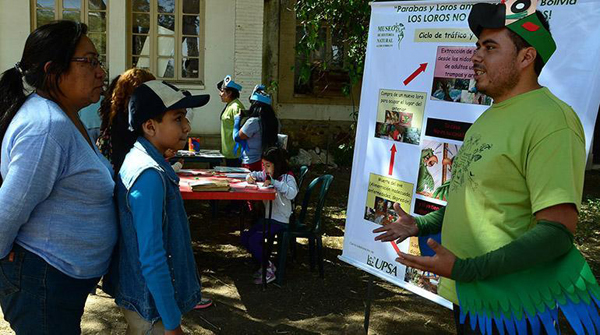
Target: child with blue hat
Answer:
[[153, 276], [259, 94], [229, 91], [259, 131]]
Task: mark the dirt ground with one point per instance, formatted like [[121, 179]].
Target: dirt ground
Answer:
[[305, 304]]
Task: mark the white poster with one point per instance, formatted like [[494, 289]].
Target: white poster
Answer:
[[417, 102]]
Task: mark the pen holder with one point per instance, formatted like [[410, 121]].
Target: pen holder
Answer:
[[193, 144]]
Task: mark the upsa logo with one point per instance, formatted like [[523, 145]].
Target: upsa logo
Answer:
[[387, 36], [382, 265]]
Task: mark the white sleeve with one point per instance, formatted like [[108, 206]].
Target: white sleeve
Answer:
[[286, 187], [257, 175]]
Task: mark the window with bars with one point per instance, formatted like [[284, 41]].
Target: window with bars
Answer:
[[315, 81], [167, 38], [94, 13], [313, 84]]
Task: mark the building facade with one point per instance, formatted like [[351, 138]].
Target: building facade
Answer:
[[191, 43]]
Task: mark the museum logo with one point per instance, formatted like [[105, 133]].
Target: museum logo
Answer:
[[382, 265], [389, 36]]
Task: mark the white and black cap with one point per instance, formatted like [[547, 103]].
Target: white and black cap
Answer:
[[155, 97]]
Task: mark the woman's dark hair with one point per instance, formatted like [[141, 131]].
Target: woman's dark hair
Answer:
[[268, 120], [53, 44], [277, 156], [235, 94]]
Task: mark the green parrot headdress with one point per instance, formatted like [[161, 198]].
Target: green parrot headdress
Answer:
[[520, 17]]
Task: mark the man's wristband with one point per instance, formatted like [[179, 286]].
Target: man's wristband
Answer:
[[543, 243], [431, 223]]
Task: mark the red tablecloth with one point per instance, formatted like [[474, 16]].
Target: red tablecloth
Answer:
[[237, 191]]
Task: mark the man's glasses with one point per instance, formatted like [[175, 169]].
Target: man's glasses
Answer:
[[94, 62]]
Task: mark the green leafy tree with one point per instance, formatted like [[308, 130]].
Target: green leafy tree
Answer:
[[348, 20]]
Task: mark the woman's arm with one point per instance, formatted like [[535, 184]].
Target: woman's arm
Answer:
[[30, 178], [238, 134], [250, 129]]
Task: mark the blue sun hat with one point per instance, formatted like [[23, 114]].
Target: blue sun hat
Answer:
[[228, 82], [259, 94]]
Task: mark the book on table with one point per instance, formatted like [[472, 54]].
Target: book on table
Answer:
[[209, 185], [236, 175], [230, 169]]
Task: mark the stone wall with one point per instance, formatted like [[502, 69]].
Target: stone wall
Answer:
[[303, 134], [308, 134]]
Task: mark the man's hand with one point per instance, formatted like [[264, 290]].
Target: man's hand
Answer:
[[440, 264], [250, 180], [398, 230], [176, 331]]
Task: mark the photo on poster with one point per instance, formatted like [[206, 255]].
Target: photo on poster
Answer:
[[423, 279], [382, 193], [382, 212], [435, 168], [400, 116], [454, 77]]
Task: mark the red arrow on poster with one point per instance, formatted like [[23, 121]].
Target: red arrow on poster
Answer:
[[393, 150], [395, 247], [415, 74]]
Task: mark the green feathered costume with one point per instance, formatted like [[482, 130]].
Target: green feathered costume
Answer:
[[533, 295]]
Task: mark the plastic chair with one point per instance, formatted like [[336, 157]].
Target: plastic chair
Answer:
[[301, 177], [301, 228]]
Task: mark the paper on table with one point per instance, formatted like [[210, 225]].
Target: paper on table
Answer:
[[236, 175], [185, 153], [188, 172], [258, 185], [229, 169]]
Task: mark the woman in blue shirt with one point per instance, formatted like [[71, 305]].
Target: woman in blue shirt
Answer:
[[57, 214], [259, 131]]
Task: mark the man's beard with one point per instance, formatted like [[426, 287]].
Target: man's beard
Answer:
[[508, 82]]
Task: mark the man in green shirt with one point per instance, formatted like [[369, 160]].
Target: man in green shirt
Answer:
[[229, 91], [507, 257]]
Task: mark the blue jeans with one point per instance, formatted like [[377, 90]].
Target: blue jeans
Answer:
[[36, 298]]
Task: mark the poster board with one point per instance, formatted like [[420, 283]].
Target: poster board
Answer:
[[417, 102]]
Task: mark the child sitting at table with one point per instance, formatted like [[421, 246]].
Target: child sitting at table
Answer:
[[277, 173], [153, 275]]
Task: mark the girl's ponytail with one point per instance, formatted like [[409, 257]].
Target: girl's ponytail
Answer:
[[12, 96]]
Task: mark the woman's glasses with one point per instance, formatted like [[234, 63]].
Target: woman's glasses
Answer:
[[94, 62]]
